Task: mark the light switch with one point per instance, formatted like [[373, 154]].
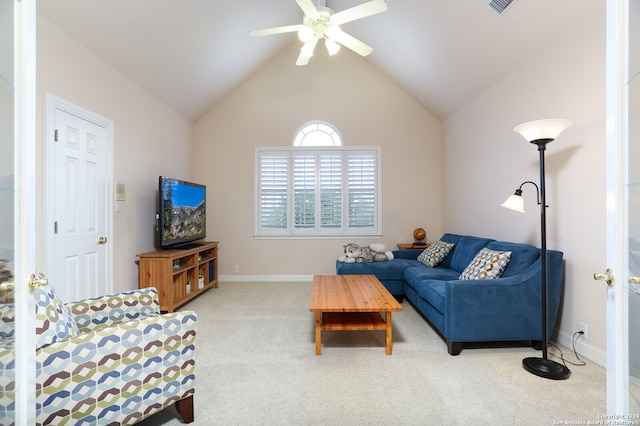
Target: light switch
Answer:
[[120, 192]]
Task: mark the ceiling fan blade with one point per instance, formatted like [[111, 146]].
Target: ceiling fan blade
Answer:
[[302, 59], [276, 30], [307, 51], [351, 42], [363, 10], [309, 8]]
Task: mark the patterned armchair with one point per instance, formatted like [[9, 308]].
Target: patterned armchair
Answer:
[[111, 360]]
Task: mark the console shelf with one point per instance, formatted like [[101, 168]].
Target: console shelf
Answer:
[[180, 275]]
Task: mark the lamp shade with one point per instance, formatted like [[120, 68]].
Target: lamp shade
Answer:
[[514, 202], [542, 129]]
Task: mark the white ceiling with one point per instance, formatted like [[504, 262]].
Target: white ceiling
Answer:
[[191, 53]]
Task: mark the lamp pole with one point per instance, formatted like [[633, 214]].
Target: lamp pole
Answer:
[[544, 367]]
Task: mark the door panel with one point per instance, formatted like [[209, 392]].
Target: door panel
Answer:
[[81, 185]]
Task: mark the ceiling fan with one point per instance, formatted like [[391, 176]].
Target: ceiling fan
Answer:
[[321, 22]]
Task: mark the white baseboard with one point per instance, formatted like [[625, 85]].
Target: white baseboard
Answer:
[[264, 278], [584, 349]]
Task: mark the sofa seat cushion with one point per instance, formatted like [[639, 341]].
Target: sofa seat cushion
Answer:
[[432, 291], [387, 270], [522, 256], [429, 283]]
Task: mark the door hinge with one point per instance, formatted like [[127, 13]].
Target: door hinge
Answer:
[[55, 227], [55, 135]]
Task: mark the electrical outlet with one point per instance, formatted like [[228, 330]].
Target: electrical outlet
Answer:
[[236, 269], [583, 327]]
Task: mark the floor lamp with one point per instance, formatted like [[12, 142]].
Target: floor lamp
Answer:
[[540, 133]]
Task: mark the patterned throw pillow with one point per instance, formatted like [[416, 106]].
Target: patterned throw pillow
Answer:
[[53, 319], [487, 264], [435, 253]]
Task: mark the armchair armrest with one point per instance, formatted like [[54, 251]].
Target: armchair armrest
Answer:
[[133, 369], [104, 311]]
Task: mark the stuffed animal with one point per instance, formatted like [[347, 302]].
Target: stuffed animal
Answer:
[[353, 253]]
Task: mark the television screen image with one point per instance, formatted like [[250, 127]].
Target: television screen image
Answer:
[[182, 212]]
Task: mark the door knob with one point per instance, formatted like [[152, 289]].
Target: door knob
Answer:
[[102, 240], [37, 281], [606, 276]]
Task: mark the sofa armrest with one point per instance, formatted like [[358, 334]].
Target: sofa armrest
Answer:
[[507, 308], [407, 254], [112, 309]]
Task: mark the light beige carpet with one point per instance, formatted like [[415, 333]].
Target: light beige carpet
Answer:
[[256, 365]]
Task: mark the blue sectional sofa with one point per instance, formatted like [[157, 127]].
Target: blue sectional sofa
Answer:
[[508, 308]]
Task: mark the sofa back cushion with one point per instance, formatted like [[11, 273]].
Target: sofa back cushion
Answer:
[[522, 256], [453, 239], [464, 251]]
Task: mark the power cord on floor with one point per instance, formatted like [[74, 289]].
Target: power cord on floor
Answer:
[[564, 361]]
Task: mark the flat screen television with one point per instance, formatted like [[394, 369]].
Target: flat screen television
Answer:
[[182, 213]]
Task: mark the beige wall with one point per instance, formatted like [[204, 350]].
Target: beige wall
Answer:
[[453, 186], [484, 161], [267, 110], [149, 139]]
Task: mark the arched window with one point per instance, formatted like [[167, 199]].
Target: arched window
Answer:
[[317, 133], [317, 187]]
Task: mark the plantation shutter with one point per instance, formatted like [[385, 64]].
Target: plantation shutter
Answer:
[[361, 188], [273, 188], [331, 191], [304, 191], [310, 192]]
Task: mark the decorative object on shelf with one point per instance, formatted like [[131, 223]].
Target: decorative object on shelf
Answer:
[[176, 264], [540, 133], [189, 287], [419, 236], [200, 282]]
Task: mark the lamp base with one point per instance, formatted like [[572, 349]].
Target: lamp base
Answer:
[[546, 368]]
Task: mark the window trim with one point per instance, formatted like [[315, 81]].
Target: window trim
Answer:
[[290, 232]]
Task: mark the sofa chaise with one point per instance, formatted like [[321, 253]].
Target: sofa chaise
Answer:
[[476, 309]]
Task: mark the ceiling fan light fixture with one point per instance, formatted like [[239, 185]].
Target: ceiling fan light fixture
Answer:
[[332, 46], [305, 34]]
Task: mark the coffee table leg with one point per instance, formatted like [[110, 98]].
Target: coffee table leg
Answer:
[[389, 340], [318, 332]]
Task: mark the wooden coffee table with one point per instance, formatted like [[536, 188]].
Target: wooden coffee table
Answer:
[[352, 302]]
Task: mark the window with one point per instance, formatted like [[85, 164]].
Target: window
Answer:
[[304, 191], [317, 133]]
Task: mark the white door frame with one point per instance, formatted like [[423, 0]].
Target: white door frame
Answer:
[[56, 103], [617, 207], [25, 208]]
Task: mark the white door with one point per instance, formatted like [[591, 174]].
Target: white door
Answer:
[[17, 215], [623, 207], [79, 153]]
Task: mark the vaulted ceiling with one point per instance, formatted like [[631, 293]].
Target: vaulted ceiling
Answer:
[[191, 53]]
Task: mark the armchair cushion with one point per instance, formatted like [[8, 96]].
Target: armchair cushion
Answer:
[[53, 320]]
